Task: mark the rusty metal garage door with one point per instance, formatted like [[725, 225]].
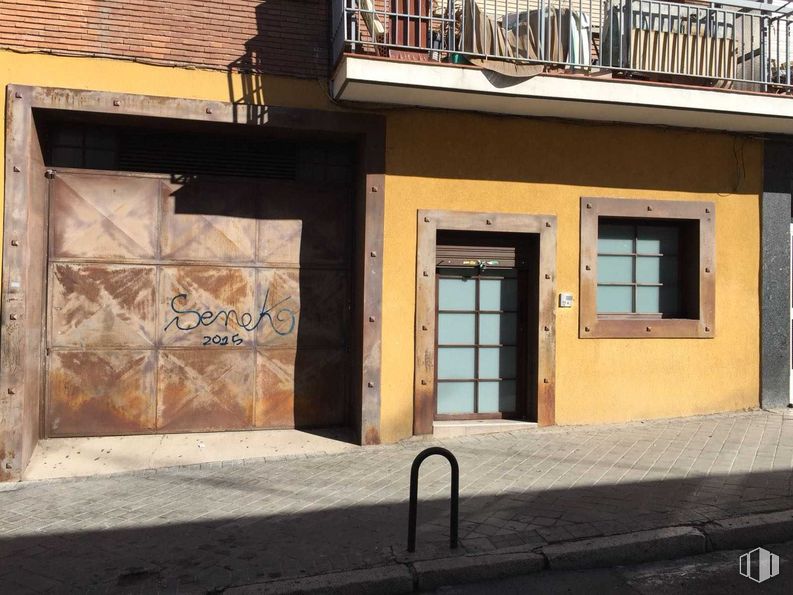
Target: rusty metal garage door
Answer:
[[202, 304]]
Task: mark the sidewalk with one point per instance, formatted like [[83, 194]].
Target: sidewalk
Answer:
[[216, 527]]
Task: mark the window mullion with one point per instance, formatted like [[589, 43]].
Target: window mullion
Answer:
[[635, 259], [477, 306]]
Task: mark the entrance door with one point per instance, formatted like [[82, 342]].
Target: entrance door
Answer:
[[482, 349], [203, 304]]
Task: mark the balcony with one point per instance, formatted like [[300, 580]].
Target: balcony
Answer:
[[723, 66]]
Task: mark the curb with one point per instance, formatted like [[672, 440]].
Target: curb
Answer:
[[431, 574], [385, 580], [750, 531], [628, 548], [667, 543]]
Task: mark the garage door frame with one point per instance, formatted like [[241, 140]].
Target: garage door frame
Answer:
[[24, 243]]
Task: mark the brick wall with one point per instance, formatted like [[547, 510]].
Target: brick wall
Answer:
[[288, 37]]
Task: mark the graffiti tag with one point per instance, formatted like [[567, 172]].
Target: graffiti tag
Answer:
[[282, 320]]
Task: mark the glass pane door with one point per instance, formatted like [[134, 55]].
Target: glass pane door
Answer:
[[477, 357]]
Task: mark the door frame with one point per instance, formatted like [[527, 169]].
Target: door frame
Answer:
[[428, 224], [24, 241]]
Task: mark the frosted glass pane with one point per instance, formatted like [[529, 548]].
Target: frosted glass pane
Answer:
[[498, 294], [648, 269], [614, 299], [456, 294], [495, 397], [655, 300], [651, 239], [455, 362], [615, 269], [495, 362], [456, 328], [615, 238], [456, 397], [656, 269], [648, 300], [497, 328]]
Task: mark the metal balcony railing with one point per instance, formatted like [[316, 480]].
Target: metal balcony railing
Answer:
[[741, 45]]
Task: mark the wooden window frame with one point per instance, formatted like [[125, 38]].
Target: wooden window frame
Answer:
[[429, 222], [592, 325]]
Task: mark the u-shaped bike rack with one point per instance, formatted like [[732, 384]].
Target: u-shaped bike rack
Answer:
[[414, 493]]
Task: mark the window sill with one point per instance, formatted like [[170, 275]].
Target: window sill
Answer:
[[642, 328]]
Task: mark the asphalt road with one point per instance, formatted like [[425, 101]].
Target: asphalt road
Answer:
[[716, 572]]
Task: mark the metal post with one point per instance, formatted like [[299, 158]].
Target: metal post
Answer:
[[414, 494]]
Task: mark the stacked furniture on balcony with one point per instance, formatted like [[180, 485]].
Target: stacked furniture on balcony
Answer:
[[665, 41], [650, 39]]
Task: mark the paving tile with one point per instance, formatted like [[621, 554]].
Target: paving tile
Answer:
[[195, 529]]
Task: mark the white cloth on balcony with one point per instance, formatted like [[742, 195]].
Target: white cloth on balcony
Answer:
[[505, 50], [373, 23]]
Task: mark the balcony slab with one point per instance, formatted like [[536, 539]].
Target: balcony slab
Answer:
[[378, 81]]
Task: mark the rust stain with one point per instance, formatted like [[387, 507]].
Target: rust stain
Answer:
[[202, 390], [312, 383], [5, 474], [74, 281], [230, 287], [95, 304], [97, 284], [101, 393], [371, 436], [104, 216], [275, 390], [210, 220], [143, 389], [281, 287]]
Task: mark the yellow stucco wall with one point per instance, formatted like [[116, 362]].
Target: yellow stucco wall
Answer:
[[474, 162]]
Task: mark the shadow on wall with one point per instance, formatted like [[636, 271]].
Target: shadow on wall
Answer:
[[290, 242], [246, 547], [290, 40], [470, 146], [460, 146]]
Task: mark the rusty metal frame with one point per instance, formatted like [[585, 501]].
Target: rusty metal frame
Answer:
[[22, 290], [593, 326], [429, 222]]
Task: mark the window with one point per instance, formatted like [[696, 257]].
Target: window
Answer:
[[647, 268], [82, 146], [638, 269]]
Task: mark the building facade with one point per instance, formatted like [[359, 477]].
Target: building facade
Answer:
[[395, 217]]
